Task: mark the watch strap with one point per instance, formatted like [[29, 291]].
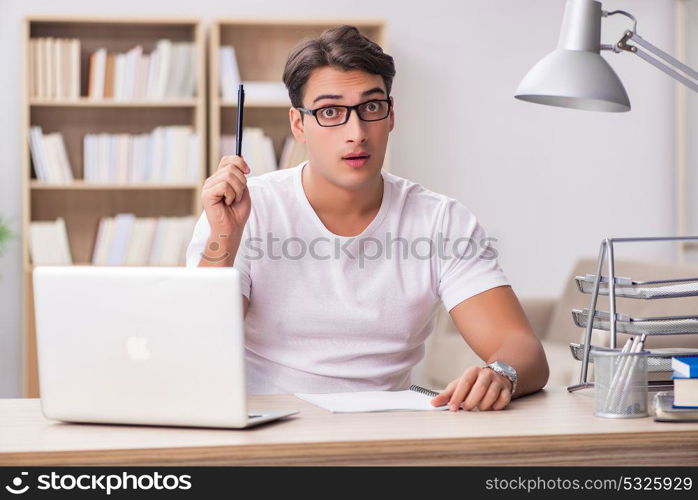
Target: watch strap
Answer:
[[497, 369]]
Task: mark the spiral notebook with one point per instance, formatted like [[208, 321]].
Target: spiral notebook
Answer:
[[416, 398]]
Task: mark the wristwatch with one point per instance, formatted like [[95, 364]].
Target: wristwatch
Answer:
[[504, 369]]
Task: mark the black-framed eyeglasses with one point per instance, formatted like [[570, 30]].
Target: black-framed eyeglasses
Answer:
[[336, 115]]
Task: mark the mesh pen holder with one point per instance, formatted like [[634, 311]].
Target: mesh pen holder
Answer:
[[620, 384]]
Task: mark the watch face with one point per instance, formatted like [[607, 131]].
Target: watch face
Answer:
[[506, 368]]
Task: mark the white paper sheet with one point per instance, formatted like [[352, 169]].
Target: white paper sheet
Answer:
[[366, 401]]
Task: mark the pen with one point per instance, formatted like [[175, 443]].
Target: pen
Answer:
[[618, 365], [616, 394], [629, 374], [241, 105]]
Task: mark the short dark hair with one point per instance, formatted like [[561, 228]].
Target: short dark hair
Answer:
[[343, 47]]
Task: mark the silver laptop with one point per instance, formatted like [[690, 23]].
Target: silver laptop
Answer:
[[143, 345]]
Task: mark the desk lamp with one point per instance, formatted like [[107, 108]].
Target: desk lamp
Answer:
[[576, 76]]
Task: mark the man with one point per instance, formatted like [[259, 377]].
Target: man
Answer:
[[343, 264]]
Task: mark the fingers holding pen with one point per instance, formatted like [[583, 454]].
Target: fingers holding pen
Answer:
[[236, 161], [231, 171]]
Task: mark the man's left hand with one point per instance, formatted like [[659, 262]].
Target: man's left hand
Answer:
[[477, 387]]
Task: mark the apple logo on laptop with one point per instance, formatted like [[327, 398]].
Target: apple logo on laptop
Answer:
[[137, 348]]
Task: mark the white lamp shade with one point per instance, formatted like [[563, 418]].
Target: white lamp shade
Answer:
[[575, 75], [575, 79]]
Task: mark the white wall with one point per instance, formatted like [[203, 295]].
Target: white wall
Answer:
[[549, 183]]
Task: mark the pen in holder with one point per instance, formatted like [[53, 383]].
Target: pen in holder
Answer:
[[621, 381]]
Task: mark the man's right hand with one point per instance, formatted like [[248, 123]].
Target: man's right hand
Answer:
[[225, 196]]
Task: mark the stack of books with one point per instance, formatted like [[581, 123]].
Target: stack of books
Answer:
[[49, 157], [123, 240], [167, 154], [48, 243], [54, 68], [168, 71], [127, 240], [685, 381]]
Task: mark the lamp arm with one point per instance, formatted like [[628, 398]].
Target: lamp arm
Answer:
[[669, 69], [605, 13], [692, 74]]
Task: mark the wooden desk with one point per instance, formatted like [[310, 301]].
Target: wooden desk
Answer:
[[551, 427]]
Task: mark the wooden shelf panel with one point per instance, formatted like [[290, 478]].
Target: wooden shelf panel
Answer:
[[361, 23], [119, 35], [81, 20], [79, 185], [257, 104], [85, 102]]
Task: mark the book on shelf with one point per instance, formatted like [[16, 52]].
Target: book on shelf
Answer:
[[127, 240], [257, 149], [54, 68], [167, 154], [169, 71], [229, 73], [293, 153], [49, 157], [97, 69], [48, 243], [265, 91]]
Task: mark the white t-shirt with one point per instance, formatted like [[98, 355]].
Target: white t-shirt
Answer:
[[333, 313]]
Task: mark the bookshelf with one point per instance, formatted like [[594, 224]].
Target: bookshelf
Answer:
[[261, 49], [81, 203]]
